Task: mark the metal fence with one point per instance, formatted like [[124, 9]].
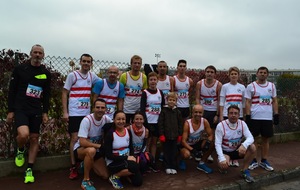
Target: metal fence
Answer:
[[54, 138]]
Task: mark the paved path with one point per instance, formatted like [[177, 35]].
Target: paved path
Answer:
[[282, 157]]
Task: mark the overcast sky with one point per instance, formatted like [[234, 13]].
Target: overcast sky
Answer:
[[224, 33]]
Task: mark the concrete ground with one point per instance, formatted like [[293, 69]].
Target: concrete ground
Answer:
[[284, 157]]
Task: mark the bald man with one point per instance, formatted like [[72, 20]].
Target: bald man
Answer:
[[111, 90], [192, 141]]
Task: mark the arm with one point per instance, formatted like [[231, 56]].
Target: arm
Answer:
[[191, 85], [12, 96], [197, 96], [247, 134], [218, 143], [64, 101], [185, 135], [222, 103], [275, 105], [208, 130], [172, 83], [160, 123], [143, 106], [120, 101], [218, 102]]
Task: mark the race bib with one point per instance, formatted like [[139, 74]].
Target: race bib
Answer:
[[110, 109], [84, 103], [135, 90], [96, 139], [124, 152], [154, 109], [208, 101], [234, 104], [183, 94], [265, 100], [34, 91], [234, 143]]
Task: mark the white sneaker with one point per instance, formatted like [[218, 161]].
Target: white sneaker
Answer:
[[235, 163], [169, 171], [210, 159], [174, 171]]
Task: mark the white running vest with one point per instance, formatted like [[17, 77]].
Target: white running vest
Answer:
[[182, 90], [233, 96], [165, 87], [133, 93], [262, 97], [195, 136], [80, 93], [120, 145], [137, 141], [232, 138], [110, 95], [153, 106], [91, 129], [209, 96]]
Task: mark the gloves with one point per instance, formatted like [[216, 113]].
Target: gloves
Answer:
[[162, 138], [248, 120], [276, 119], [179, 138], [206, 146]]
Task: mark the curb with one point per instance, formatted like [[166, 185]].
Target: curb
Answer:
[[261, 180]]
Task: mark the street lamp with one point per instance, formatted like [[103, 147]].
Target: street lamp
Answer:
[[157, 55]]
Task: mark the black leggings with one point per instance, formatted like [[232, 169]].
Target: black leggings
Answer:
[[133, 167]]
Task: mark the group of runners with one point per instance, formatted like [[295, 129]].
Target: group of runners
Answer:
[[132, 112]]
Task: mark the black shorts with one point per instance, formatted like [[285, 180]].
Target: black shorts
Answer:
[[197, 146], [209, 115], [33, 121], [153, 130], [74, 123], [262, 127], [234, 155], [185, 112], [117, 166], [99, 154]]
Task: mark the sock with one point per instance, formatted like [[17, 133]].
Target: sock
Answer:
[[21, 149], [254, 160], [263, 160]]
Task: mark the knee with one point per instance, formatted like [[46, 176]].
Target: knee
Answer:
[[252, 148], [90, 152], [34, 140], [186, 154], [133, 167], [23, 135]]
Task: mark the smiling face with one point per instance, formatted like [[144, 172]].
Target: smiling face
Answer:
[[99, 109], [162, 68], [120, 120], [233, 77], [210, 74], [233, 114], [138, 120], [86, 63], [152, 81], [262, 75], [113, 73], [197, 112]]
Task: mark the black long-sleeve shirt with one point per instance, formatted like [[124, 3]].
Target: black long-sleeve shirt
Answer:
[[29, 89]]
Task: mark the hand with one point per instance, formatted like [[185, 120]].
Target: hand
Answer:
[[216, 119], [65, 117], [196, 153], [276, 119], [132, 158], [45, 118], [162, 138], [179, 138], [10, 117], [224, 165]]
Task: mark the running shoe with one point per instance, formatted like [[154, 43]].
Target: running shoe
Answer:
[[87, 185], [210, 159], [29, 178], [266, 165], [203, 167], [168, 171], [19, 159], [73, 173], [253, 165], [174, 171], [234, 163], [182, 165], [246, 175], [115, 181]]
